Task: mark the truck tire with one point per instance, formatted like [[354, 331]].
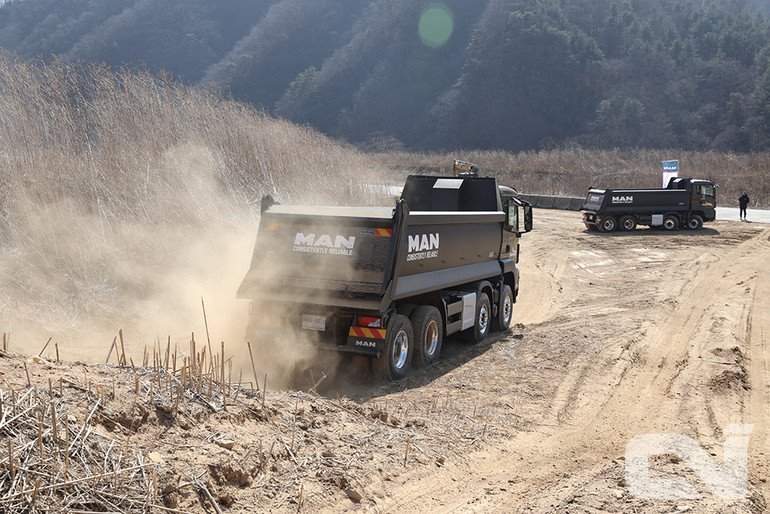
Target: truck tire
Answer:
[[695, 223], [483, 320], [590, 226], [428, 330], [628, 223], [393, 363], [504, 310], [608, 225], [670, 222]]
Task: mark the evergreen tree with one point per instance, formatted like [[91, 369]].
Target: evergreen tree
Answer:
[[508, 74]]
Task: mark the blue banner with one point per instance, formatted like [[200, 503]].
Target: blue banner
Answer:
[[671, 166]]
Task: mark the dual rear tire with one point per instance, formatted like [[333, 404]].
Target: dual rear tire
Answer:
[[420, 336], [608, 225], [628, 223], [429, 335], [394, 362]]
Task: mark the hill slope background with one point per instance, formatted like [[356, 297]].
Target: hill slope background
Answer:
[[409, 74], [124, 197]]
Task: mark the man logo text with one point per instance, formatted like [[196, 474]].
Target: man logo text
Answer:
[[622, 199], [423, 246], [310, 243]]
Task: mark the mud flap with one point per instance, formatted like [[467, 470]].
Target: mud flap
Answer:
[[370, 341]]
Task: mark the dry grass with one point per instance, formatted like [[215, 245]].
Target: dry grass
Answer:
[[571, 172], [125, 197], [178, 433]]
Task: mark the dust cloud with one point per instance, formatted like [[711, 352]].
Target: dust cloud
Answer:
[[79, 276], [126, 198]]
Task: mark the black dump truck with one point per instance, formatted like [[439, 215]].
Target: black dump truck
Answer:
[[686, 202], [390, 283]]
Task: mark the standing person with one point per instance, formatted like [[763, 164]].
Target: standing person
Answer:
[[743, 201]]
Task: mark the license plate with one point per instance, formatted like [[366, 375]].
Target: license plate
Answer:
[[310, 322]]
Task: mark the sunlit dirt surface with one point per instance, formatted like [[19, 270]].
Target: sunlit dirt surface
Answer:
[[616, 336]]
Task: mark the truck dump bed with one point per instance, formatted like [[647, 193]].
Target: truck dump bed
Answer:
[[365, 258], [630, 200], [317, 254]]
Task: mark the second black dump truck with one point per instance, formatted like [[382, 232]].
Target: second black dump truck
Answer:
[[390, 283], [685, 203]]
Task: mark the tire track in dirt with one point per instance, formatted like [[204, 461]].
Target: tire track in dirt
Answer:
[[542, 285], [599, 427], [758, 411], [643, 403]]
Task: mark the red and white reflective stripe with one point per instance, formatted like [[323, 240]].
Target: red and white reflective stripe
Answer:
[[370, 333], [383, 232]]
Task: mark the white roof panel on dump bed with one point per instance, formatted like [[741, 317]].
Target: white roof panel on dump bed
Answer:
[[385, 213], [448, 183]]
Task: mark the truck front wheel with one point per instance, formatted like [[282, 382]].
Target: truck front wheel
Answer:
[[428, 335], [393, 363], [504, 310], [483, 320], [607, 225], [695, 223]]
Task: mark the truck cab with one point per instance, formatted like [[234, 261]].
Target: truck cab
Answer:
[[703, 195]]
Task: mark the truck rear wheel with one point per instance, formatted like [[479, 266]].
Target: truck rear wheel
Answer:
[[589, 226], [670, 222], [428, 335], [695, 223], [393, 363], [628, 223], [504, 310], [607, 225], [483, 323]]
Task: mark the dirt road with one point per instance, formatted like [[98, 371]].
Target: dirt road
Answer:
[[619, 336]]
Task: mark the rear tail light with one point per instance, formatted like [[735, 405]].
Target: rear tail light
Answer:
[[368, 321]]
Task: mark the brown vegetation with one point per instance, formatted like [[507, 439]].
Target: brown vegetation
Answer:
[[571, 172], [124, 197], [179, 433]]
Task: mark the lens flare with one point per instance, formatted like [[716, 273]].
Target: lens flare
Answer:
[[436, 25]]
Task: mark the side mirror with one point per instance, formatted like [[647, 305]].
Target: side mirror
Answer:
[[511, 217], [527, 217]]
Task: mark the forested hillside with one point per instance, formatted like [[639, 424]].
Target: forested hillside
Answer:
[[486, 74]]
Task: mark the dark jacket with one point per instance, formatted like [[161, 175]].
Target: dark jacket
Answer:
[[744, 200]]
